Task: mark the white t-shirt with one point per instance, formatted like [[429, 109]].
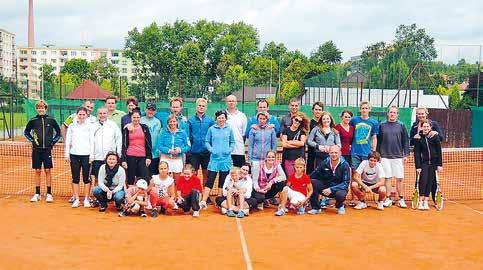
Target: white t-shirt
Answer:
[[238, 123], [162, 185], [370, 175]]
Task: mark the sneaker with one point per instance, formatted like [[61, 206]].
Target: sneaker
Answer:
[[143, 214], [280, 212], [324, 202], [353, 203], [314, 211], [301, 210], [387, 202], [76, 203], [102, 209], [360, 206], [246, 212], [94, 203], [162, 210], [260, 206], [122, 213], [87, 204], [203, 205], [175, 206], [420, 205], [230, 213], [240, 214], [154, 213], [341, 210], [49, 198], [379, 206], [71, 199], [426, 205], [266, 203], [223, 211], [196, 213], [35, 198], [402, 203]]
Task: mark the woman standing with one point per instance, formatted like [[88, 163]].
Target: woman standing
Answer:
[[111, 182], [428, 160], [220, 141], [79, 151], [293, 141], [317, 110], [136, 149], [173, 144], [268, 179], [261, 139], [346, 134], [322, 137]]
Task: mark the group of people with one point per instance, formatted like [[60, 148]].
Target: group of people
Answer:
[[148, 161]]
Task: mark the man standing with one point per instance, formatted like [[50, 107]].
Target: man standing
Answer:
[[199, 156], [131, 104], [40, 132], [176, 109], [294, 107], [262, 107], [112, 113], [89, 105], [330, 179], [365, 135], [393, 145], [238, 123], [154, 126]]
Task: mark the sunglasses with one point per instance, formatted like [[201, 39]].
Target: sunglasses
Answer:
[[298, 120]]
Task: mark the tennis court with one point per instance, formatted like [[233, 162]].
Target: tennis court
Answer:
[[46, 236]]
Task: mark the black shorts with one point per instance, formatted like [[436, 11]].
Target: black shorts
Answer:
[[238, 160], [96, 165], [375, 190], [153, 167], [198, 159], [40, 157]]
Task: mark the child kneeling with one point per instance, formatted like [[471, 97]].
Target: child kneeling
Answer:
[[136, 199], [235, 192], [188, 191]]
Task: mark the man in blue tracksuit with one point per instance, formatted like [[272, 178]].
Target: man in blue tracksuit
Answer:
[[330, 179]]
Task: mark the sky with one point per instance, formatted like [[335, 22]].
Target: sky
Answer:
[[299, 24]]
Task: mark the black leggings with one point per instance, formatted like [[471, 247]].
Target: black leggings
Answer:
[[318, 188], [136, 166], [426, 179], [192, 201], [76, 163], [212, 176], [274, 190]]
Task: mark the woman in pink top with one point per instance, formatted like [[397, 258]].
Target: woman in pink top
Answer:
[[346, 134], [136, 149]]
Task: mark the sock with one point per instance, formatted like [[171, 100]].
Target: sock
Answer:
[[37, 190], [49, 190]]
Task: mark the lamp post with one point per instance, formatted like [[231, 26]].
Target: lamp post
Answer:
[[41, 80]]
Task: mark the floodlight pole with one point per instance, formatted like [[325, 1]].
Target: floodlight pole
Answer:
[[478, 81]]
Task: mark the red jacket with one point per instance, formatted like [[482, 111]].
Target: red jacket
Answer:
[[186, 185]]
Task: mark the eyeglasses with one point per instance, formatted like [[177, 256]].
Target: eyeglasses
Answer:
[[298, 120]]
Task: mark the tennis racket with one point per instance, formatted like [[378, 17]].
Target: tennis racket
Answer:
[[439, 195], [415, 199]]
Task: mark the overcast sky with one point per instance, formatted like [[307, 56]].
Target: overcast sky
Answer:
[[299, 24]]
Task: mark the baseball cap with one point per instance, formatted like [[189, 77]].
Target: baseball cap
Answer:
[[151, 105], [142, 184]]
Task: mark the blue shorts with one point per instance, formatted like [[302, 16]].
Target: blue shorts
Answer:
[[356, 161]]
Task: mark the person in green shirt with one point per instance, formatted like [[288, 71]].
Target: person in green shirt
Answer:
[[112, 113]]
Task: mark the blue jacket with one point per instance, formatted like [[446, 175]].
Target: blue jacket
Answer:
[[220, 141], [163, 118], [272, 120], [260, 141], [169, 140], [198, 127], [155, 129], [335, 180]]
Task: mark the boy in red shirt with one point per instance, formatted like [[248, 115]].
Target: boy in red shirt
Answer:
[[298, 190], [188, 191]]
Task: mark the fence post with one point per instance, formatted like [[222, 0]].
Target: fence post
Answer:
[[12, 132]]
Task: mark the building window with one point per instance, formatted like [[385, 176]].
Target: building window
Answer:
[[73, 53], [23, 52], [34, 52], [63, 53], [124, 62], [84, 53], [53, 60], [43, 60], [124, 70], [115, 54], [34, 60], [43, 53], [115, 62]]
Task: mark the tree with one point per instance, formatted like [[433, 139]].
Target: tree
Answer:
[[261, 69], [234, 79], [189, 68], [289, 90], [101, 69], [414, 44], [48, 77], [78, 67], [327, 53]]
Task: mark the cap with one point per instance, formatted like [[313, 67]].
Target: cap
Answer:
[[142, 184], [151, 105]]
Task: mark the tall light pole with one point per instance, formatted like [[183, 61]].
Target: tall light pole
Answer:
[[271, 73]]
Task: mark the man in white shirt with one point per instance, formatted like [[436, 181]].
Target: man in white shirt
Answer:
[[369, 178], [238, 123]]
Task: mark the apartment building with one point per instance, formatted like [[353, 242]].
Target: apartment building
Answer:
[[8, 62]]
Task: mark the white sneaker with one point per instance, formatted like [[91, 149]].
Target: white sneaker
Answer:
[[203, 205], [420, 205], [426, 205], [76, 203], [379, 206], [35, 198], [223, 211], [87, 204], [387, 202], [402, 203], [246, 211], [49, 198], [196, 213], [175, 206], [71, 199], [360, 206], [260, 206]]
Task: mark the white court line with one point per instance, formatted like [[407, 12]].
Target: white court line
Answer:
[[246, 255], [19, 169], [466, 206], [18, 192]]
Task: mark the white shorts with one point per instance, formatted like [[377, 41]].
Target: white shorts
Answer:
[[393, 167], [295, 197], [175, 165]]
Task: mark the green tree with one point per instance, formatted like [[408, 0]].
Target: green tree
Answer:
[[327, 53], [289, 90], [414, 44], [78, 67], [48, 77], [189, 68], [261, 69], [235, 77], [101, 69]]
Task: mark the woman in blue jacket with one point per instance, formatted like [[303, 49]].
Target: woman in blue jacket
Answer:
[[220, 142], [261, 139], [173, 143]]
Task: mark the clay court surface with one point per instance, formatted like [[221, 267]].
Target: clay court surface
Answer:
[[55, 236]]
